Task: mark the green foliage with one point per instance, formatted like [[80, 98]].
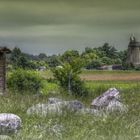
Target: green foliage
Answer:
[[67, 75], [91, 58], [127, 66], [49, 87], [69, 55], [104, 55], [53, 61], [137, 68], [24, 81], [108, 50], [94, 64], [19, 60], [107, 60], [42, 56], [125, 126]]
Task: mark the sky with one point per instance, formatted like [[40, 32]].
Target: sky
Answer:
[[54, 26]]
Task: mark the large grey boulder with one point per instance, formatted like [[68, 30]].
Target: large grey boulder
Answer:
[[104, 99], [9, 123], [55, 106], [74, 105], [71, 105], [115, 105], [53, 100], [109, 101], [90, 111], [5, 137], [45, 109]]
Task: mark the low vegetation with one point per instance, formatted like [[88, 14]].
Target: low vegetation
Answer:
[[91, 58], [28, 85], [78, 127], [23, 81]]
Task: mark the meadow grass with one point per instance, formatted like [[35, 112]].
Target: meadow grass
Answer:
[[100, 75], [110, 72], [48, 73], [73, 126]]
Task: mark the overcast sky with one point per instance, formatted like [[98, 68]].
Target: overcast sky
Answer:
[[53, 26]]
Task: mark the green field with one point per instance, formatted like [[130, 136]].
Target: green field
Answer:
[[102, 75], [73, 126]]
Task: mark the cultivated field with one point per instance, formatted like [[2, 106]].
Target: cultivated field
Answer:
[[93, 75], [110, 75]]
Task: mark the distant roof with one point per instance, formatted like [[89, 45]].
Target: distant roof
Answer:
[[4, 50]]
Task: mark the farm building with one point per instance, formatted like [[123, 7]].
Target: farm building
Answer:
[[111, 67]]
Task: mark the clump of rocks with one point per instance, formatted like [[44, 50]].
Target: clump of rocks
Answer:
[[107, 102], [55, 106], [5, 137]]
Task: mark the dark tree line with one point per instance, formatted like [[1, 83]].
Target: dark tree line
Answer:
[[91, 58]]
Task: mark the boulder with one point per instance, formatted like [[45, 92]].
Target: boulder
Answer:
[[9, 123], [88, 111], [5, 137], [109, 101], [116, 106], [70, 105], [74, 105], [54, 100], [104, 99], [45, 109], [55, 107]]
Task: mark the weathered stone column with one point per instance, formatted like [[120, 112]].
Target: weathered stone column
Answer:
[[3, 52]]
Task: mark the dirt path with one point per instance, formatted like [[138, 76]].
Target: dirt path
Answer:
[[111, 77]]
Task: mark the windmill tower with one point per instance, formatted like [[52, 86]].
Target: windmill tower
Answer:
[[133, 53]]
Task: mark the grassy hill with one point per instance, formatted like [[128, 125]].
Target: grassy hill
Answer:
[[78, 127]]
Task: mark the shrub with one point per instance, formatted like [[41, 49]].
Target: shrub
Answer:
[[68, 78], [137, 68], [24, 81], [79, 88]]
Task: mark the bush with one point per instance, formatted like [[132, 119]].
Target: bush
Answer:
[[68, 78], [137, 68], [24, 81], [94, 64], [79, 88]]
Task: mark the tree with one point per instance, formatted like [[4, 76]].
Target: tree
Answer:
[[42, 56], [69, 55], [88, 50], [16, 53], [108, 50], [19, 60], [107, 61], [53, 61], [94, 64], [68, 76], [89, 57]]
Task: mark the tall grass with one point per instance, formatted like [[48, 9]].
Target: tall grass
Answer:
[[75, 126]]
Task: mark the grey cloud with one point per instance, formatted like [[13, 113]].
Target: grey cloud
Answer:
[[53, 26]]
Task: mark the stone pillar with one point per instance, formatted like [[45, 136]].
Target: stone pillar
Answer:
[[3, 52]]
